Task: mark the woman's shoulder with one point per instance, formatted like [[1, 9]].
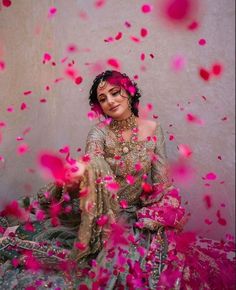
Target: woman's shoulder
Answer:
[[99, 129]]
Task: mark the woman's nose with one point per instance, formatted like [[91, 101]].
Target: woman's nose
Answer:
[[110, 99]]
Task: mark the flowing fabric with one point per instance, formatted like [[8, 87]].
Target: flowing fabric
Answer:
[[118, 228]]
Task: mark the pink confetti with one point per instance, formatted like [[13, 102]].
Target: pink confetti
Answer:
[[80, 246], [185, 150], [142, 56], [181, 171], [194, 119], [10, 109], [204, 74], [27, 93], [2, 65], [113, 186], [43, 100], [171, 137], [102, 220], [52, 11], [40, 215], [221, 220], [114, 63], [208, 222], [135, 39], [211, 176], [127, 24], [23, 106], [118, 36], [99, 3], [143, 32], [46, 57], [202, 41], [78, 80], [194, 25], [178, 10], [178, 63], [71, 48], [146, 8], [53, 165], [65, 149], [123, 203], [6, 3], [217, 69], [208, 201], [130, 179], [22, 149]]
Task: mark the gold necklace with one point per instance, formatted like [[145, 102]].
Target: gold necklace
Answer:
[[119, 126]]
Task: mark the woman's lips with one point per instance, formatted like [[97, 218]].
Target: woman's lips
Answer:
[[114, 108]]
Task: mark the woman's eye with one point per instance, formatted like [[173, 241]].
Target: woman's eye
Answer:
[[115, 93], [102, 100]]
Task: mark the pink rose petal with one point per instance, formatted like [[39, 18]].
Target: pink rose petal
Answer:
[[78, 80], [178, 63], [146, 8], [118, 36], [114, 63], [211, 176], [102, 220], [123, 203], [143, 32], [22, 149], [6, 3], [2, 65], [202, 41], [52, 11], [185, 150]]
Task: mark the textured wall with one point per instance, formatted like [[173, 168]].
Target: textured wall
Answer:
[[26, 33]]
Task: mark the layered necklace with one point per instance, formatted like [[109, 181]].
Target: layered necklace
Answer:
[[119, 126]]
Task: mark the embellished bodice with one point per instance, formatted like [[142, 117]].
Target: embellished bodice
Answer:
[[145, 157]]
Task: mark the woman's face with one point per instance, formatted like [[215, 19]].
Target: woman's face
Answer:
[[114, 101]]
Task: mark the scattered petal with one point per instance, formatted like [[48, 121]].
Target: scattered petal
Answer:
[[143, 32], [118, 36], [202, 41], [217, 69], [146, 8], [114, 63], [178, 63], [78, 80], [204, 74], [22, 149], [2, 65], [6, 3], [208, 201], [185, 150], [211, 176]]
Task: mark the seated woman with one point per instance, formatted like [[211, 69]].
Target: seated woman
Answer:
[[122, 229]]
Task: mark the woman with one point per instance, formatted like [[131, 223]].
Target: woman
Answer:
[[122, 231]]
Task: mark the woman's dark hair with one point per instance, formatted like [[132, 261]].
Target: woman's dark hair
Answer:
[[119, 79]]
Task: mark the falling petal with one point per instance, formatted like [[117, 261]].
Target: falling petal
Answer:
[[123, 203], [118, 36], [143, 32], [52, 165], [6, 3], [114, 63], [22, 149], [23, 106], [99, 3], [2, 65], [46, 57], [178, 63], [211, 176], [146, 8], [71, 48], [208, 222], [135, 39], [185, 150], [217, 69], [202, 41], [204, 74], [194, 119], [208, 201], [52, 11], [78, 80], [127, 24], [102, 220]]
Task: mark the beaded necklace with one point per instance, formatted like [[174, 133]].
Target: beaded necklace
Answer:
[[119, 126]]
